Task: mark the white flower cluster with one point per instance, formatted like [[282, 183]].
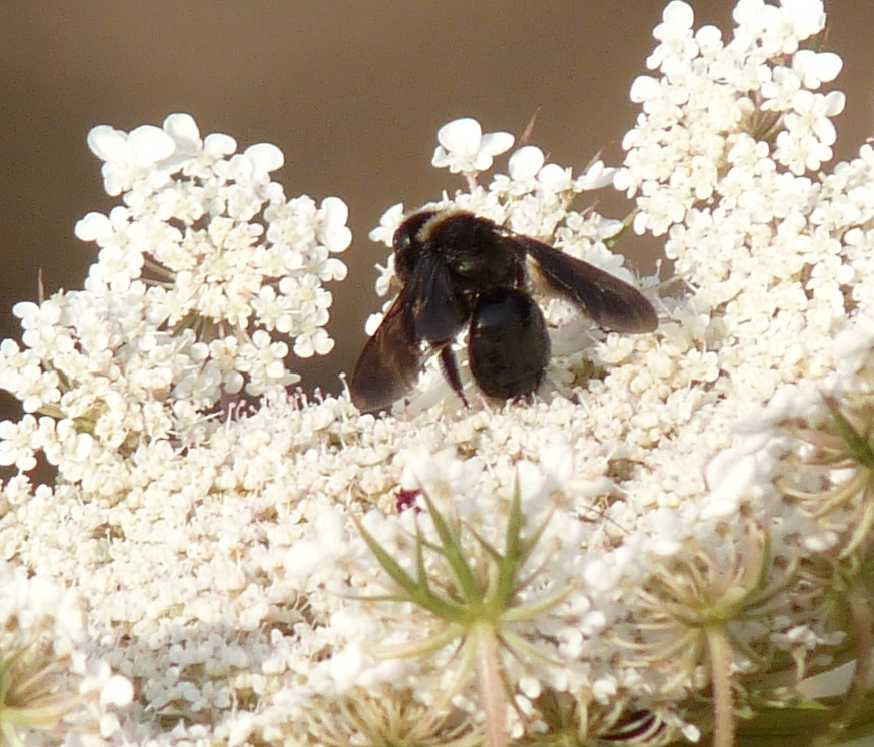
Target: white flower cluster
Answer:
[[680, 521], [192, 230], [719, 160], [725, 119], [203, 273], [51, 686]]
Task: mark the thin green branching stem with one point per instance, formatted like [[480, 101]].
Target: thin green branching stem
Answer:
[[865, 522], [418, 591], [720, 666], [424, 647], [528, 611], [477, 604], [37, 717], [515, 550], [857, 443], [452, 551]]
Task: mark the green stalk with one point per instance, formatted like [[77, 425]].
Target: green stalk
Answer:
[[492, 694], [720, 666], [860, 616]]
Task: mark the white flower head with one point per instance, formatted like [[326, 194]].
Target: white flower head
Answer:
[[670, 519], [464, 148], [132, 157], [816, 68], [597, 176], [675, 34], [215, 241]]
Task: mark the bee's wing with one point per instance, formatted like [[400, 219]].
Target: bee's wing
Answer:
[[439, 307], [611, 302], [428, 309], [389, 364]]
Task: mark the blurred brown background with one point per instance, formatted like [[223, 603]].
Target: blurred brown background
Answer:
[[353, 93]]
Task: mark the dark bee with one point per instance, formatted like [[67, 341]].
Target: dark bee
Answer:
[[459, 269]]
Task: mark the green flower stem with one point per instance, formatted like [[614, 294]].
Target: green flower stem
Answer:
[[37, 717], [862, 533], [720, 664], [417, 591], [493, 696], [478, 605], [454, 555], [857, 443], [860, 616], [777, 726]]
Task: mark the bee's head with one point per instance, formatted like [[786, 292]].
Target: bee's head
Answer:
[[407, 241]]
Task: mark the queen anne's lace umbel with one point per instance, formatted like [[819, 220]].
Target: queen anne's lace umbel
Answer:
[[677, 530]]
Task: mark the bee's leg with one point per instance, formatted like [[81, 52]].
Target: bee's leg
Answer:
[[449, 364]]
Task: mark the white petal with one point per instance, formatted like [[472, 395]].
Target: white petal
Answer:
[[599, 575], [336, 238], [640, 223], [803, 101], [117, 691], [679, 15], [596, 177], [747, 10], [303, 558], [461, 136], [482, 162], [149, 144], [622, 179], [183, 129], [333, 269], [346, 666], [816, 68], [554, 177], [107, 143], [825, 131], [495, 143], [441, 158], [218, 144], [835, 101], [92, 227], [644, 88], [84, 445], [732, 477], [829, 66], [303, 347], [708, 37], [265, 157], [526, 162], [22, 309], [324, 344], [373, 321], [335, 211], [808, 16]]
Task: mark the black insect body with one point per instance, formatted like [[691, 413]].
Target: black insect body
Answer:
[[458, 269], [508, 344]]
